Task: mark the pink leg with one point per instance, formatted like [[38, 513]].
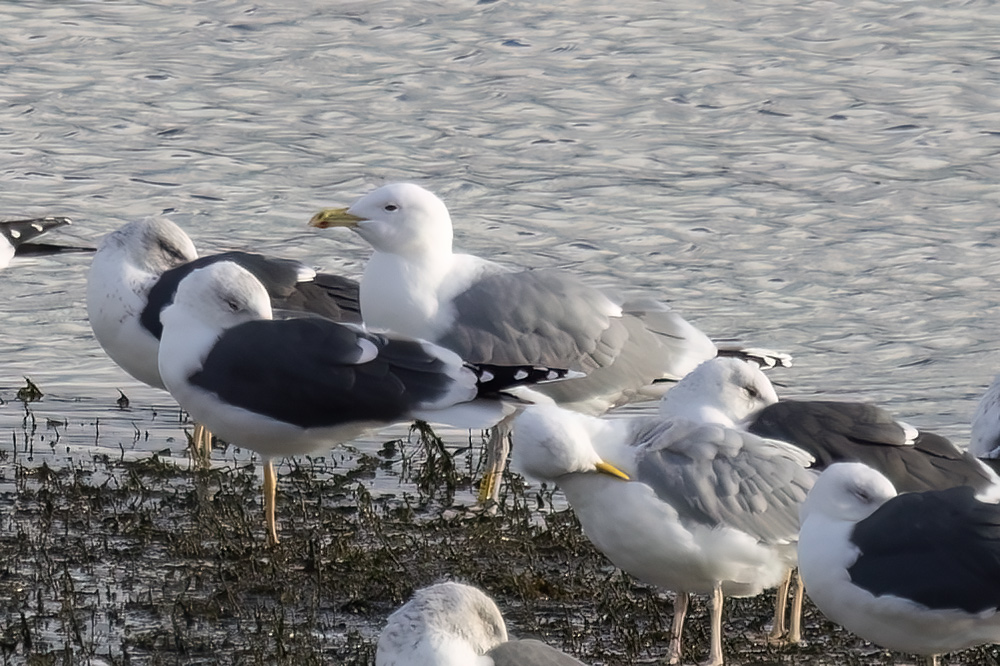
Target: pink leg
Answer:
[[715, 657], [777, 634], [681, 600]]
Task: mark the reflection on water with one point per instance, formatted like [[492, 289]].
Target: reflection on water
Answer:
[[812, 177], [818, 179]]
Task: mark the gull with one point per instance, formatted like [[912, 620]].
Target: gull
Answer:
[[414, 283], [293, 386], [689, 504], [843, 431], [454, 624], [135, 274], [917, 572]]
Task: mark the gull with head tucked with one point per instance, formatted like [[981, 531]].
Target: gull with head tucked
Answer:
[[693, 505], [135, 274], [293, 386], [453, 624]]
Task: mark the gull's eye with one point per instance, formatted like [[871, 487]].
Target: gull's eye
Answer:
[[391, 208], [751, 391], [171, 251], [233, 305]]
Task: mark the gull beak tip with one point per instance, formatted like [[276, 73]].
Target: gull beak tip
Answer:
[[611, 470], [334, 217]]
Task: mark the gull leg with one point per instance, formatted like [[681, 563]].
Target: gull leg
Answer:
[[201, 445], [780, 602], [795, 621], [270, 490], [681, 600], [715, 656], [497, 450]]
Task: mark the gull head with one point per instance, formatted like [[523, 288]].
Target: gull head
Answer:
[[847, 491], [153, 245], [399, 218], [221, 295], [550, 442], [721, 390], [442, 625]]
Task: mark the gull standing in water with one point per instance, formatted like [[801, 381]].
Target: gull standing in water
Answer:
[[293, 386], [690, 504], [135, 274], [414, 283]]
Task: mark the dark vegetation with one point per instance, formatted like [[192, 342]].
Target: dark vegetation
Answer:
[[144, 561]]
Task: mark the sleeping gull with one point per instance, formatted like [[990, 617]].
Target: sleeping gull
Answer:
[[453, 624], [292, 386], [136, 271], [917, 573], [18, 236], [415, 284], [693, 506], [842, 431]]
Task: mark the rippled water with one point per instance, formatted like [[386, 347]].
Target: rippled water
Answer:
[[813, 177]]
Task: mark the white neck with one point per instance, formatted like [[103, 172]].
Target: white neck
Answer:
[[403, 294]]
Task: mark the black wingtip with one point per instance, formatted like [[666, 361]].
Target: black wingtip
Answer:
[[765, 358], [19, 232], [496, 378]]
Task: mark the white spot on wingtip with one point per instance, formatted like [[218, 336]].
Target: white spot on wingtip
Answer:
[[520, 374], [487, 376], [368, 351], [14, 233]]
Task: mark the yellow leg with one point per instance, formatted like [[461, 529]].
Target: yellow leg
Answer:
[[201, 445], [497, 449], [270, 490]]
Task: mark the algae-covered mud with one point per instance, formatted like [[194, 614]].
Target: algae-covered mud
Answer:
[[142, 559]]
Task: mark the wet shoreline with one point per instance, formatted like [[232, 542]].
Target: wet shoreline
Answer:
[[142, 559]]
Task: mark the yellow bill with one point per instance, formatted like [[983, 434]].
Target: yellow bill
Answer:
[[334, 217], [611, 470]]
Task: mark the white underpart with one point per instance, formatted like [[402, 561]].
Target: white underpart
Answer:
[[411, 295]]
